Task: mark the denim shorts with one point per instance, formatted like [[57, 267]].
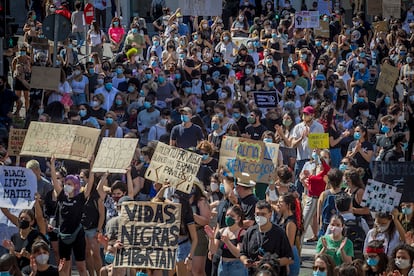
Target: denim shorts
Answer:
[[183, 250], [90, 233], [235, 267]]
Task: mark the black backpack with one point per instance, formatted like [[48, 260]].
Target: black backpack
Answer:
[[353, 230]]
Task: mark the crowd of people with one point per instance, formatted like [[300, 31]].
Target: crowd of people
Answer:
[[189, 85]]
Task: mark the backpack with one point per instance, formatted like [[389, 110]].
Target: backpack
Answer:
[[328, 209], [353, 230]]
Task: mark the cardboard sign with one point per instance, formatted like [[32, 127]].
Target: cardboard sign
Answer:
[[397, 174], [114, 155], [387, 78], [64, 141], [17, 187], [306, 19], [374, 7], [318, 140], [380, 26], [240, 40], [391, 8], [201, 7], [323, 30], [40, 43], [380, 197], [45, 78], [265, 99], [255, 158], [149, 234], [325, 7], [16, 139], [177, 166]]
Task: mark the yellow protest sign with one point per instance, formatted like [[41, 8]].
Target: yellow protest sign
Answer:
[[16, 139], [114, 155], [387, 78], [62, 140], [177, 166], [323, 30], [380, 26], [149, 233], [318, 140]]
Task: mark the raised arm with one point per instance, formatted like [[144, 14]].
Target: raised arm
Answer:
[[130, 183], [56, 185], [91, 180]]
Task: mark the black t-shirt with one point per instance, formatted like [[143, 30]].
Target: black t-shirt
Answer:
[[186, 137], [147, 183], [50, 271], [272, 241], [71, 210], [206, 170], [248, 204], [27, 243], [256, 132], [335, 135], [366, 146], [98, 114], [242, 124]]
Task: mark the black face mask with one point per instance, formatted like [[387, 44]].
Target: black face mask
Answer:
[[24, 224]]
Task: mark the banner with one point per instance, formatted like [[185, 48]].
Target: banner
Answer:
[[64, 141], [114, 155], [374, 7], [391, 8], [149, 233], [16, 139], [380, 197], [397, 174], [177, 166], [323, 30], [318, 140], [255, 158], [45, 78], [306, 19], [265, 99], [17, 187], [387, 78], [201, 7]]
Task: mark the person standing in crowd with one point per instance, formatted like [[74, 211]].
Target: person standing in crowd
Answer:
[[186, 134]]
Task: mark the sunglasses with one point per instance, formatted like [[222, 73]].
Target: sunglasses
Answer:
[[316, 268]]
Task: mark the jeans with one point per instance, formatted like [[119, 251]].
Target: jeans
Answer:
[[336, 157], [231, 268], [80, 39], [295, 267], [298, 169]]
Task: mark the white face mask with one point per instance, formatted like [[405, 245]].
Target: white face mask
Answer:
[[272, 195], [383, 228], [214, 186], [68, 189], [402, 263], [42, 259], [260, 220]]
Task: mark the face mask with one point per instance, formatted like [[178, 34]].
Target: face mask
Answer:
[[354, 47], [250, 51], [195, 37], [153, 63], [82, 113], [402, 53], [131, 89], [362, 55], [319, 273], [77, 72], [100, 81], [318, 43], [385, 129], [204, 157], [248, 71], [274, 36], [147, 105], [304, 56], [223, 96], [365, 113], [404, 147], [356, 23], [214, 186], [315, 156], [187, 90], [321, 67], [221, 188], [361, 66], [313, 102], [134, 31], [289, 84], [295, 72], [270, 84], [109, 258], [204, 67], [94, 103], [278, 80], [241, 18], [108, 86], [68, 189], [259, 71], [236, 115], [185, 118], [229, 221], [119, 71], [361, 99], [216, 59], [260, 220], [287, 123], [109, 121], [251, 120], [357, 135], [402, 264], [148, 76], [383, 228], [24, 224], [40, 111], [116, 23], [268, 140], [387, 100], [22, 53], [335, 229], [269, 61], [409, 59], [118, 102], [42, 259], [406, 211], [161, 79], [372, 261], [343, 167], [215, 126]]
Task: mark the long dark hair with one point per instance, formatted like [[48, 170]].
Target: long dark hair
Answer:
[[239, 212], [355, 177], [330, 263], [391, 265]]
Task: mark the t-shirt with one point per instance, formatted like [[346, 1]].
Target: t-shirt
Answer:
[[71, 210], [256, 132], [333, 247], [137, 39], [79, 86], [116, 33], [186, 137], [43, 187], [304, 152], [166, 91], [50, 271], [7, 99], [366, 146]]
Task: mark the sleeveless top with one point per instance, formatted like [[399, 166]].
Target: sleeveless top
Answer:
[[226, 253]]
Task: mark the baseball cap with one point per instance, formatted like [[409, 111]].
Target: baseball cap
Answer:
[[308, 110], [186, 110]]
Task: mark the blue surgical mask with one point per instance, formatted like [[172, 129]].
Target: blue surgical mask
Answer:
[[270, 84], [215, 126], [161, 79], [177, 76], [318, 43], [5, 273], [354, 47], [343, 167], [109, 121], [289, 84], [116, 23], [221, 188], [156, 43], [148, 76], [404, 146], [142, 159], [362, 55], [91, 71], [385, 129], [236, 115], [268, 140], [361, 99], [40, 111], [407, 211], [304, 56], [185, 118], [109, 258], [147, 105], [141, 93], [108, 86], [372, 261], [319, 273], [207, 87], [118, 102], [119, 71], [204, 67], [131, 89], [387, 100], [82, 112], [315, 156], [259, 71], [187, 90], [295, 72], [154, 63], [248, 71], [204, 157], [357, 135], [216, 59]]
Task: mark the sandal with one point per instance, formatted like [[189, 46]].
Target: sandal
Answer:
[[314, 239]]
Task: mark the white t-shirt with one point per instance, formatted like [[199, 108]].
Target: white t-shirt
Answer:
[[303, 150], [55, 96], [78, 87], [96, 38]]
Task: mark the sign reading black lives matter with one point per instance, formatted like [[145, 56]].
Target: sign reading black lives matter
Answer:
[[397, 174], [265, 99], [17, 187], [149, 233], [177, 166]]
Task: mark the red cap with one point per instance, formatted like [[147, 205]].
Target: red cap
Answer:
[[308, 110]]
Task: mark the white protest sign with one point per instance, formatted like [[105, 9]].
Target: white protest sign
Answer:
[[17, 187], [177, 166], [201, 7], [306, 19], [380, 197]]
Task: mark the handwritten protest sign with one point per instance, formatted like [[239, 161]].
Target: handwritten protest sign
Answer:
[[397, 174], [380, 197], [254, 158], [201, 7], [323, 30], [391, 8], [16, 139], [45, 78], [64, 141], [324, 7], [114, 155], [318, 140], [387, 78], [240, 40], [177, 166], [306, 19], [265, 99], [17, 187], [380, 26], [374, 7], [149, 234]]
